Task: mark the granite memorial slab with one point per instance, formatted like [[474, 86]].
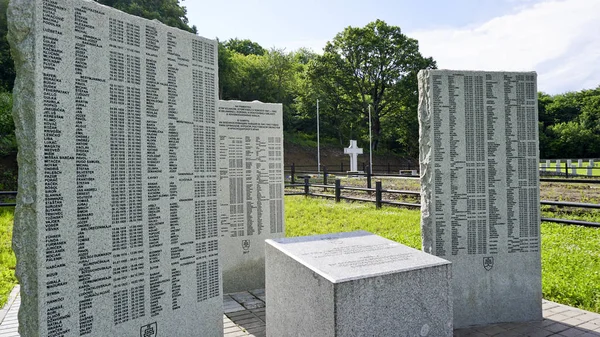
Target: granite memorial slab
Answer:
[[480, 190], [116, 224], [251, 189], [355, 284]]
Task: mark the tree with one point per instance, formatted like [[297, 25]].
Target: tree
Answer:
[[7, 68], [244, 47], [375, 65], [169, 12]]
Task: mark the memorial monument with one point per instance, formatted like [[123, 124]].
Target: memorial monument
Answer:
[[116, 225], [353, 151], [355, 284], [250, 189], [480, 190]]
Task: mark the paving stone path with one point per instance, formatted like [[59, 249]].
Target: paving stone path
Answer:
[[245, 316]]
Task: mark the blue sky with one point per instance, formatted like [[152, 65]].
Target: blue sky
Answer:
[[560, 39]]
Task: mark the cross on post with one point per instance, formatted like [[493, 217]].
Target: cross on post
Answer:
[[353, 151]]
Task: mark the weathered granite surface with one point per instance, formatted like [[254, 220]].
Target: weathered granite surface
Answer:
[[251, 189], [355, 284], [480, 190], [109, 109]]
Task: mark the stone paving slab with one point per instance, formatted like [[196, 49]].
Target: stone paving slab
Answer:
[[245, 316]]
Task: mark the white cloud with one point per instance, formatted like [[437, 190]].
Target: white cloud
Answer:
[[558, 39]]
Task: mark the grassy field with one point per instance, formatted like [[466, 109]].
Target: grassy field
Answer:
[[570, 254], [7, 257]]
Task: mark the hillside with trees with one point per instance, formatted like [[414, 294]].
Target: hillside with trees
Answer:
[[372, 67]]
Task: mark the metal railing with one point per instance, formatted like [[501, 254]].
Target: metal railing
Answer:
[[379, 201], [7, 193]]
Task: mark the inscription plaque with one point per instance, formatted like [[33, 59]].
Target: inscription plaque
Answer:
[[480, 190], [117, 216], [251, 189]]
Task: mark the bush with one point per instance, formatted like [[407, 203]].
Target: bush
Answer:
[[8, 141]]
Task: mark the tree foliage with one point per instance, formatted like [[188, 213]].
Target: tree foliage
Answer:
[[570, 124], [169, 12], [372, 66], [244, 47], [7, 68]]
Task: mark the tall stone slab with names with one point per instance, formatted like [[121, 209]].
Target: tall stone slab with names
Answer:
[[251, 189], [116, 227], [480, 190]]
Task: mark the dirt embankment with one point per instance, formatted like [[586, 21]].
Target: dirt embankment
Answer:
[[305, 158]]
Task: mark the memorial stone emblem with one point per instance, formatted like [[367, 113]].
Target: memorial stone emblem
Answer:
[[480, 190], [251, 189], [353, 151], [116, 225]]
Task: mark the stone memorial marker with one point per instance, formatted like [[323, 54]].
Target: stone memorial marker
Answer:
[[569, 163], [579, 162], [480, 190], [558, 166], [591, 162], [355, 284], [547, 163], [116, 225], [590, 171], [573, 169], [544, 167], [251, 189], [353, 151]]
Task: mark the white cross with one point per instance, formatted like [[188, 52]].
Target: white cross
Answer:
[[353, 151]]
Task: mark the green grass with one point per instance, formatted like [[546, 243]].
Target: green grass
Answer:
[[310, 216], [7, 257], [571, 265], [570, 254]]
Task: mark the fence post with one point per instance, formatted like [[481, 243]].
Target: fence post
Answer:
[[369, 178], [293, 173], [306, 185], [378, 194], [338, 190], [324, 175], [566, 170]]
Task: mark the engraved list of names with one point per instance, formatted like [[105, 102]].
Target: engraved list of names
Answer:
[[480, 183], [126, 177], [251, 188]]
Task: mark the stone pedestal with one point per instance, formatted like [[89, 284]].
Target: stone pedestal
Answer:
[[355, 284]]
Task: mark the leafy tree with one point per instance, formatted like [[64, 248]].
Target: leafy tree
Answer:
[[7, 68], [245, 47], [8, 141], [169, 12], [373, 65], [570, 124], [572, 140]]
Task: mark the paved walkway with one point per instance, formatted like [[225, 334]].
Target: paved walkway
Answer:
[[245, 316]]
